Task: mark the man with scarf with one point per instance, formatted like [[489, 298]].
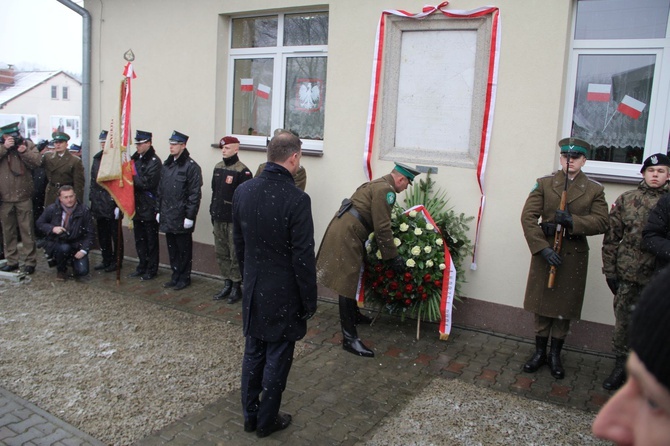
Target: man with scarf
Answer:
[[179, 197], [71, 233], [228, 174], [18, 157]]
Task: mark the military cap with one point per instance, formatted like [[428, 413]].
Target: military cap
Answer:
[[74, 148], [407, 171], [178, 138], [51, 144], [103, 136], [574, 145], [9, 128], [142, 136], [657, 159], [60, 136]]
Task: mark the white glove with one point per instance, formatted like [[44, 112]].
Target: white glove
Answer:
[[188, 224], [116, 213], [158, 218]]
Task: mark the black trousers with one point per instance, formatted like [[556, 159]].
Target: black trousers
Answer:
[[109, 240], [265, 368], [180, 250], [63, 253], [147, 245]]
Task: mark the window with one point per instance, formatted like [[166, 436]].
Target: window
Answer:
[[65, 94], [278, 71], [618, 86], [54, 92]]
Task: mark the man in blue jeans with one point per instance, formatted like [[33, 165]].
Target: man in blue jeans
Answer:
[[71, 232]]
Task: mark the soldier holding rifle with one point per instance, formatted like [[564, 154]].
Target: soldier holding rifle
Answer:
[[556, 280]]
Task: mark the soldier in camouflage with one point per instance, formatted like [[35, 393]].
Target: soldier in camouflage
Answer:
[[626, 266]]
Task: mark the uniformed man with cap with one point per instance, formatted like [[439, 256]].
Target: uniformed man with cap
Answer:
[[585, 214], [106, 214], [145, 227], [228, 174], [62, 168], [179, 194], [18, 157], [342, 251], [627, 267]]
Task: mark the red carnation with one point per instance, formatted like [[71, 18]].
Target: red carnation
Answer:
[[408, 277], [424, 296], [394, 285], [426, 278], [409, 288], [389, 273], [438, 283], [408, 301], [420, 288]]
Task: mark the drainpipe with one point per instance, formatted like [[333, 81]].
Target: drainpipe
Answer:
[[86, 88]]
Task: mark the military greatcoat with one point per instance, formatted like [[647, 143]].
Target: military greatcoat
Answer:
[[586, 202], [342, 250], [61, 170]]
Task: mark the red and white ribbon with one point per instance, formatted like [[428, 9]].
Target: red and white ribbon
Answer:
[[491, 87]]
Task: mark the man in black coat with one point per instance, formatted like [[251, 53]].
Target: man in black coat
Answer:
[[146, 177], [71, 232], [179, 194], [273, 234]]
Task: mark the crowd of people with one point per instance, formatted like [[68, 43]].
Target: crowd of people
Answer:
[[264, 238]]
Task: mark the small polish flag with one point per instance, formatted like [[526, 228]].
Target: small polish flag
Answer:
[[247, 84], [631, 107], [263, 91], [599, 92]]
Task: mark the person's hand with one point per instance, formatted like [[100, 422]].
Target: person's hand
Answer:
[[58, 230], [613, 283], [551, 256], [398, 264], [188, 224], [22, 148], [9, 142], [80, 254], [563, 218], [116, 213], [158, 218]]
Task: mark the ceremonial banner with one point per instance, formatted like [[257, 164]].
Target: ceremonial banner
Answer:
[[492, 84], [116, 167]]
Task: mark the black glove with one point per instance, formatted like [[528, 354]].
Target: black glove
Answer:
[[551, 256], [613, 283], [398, 264], [563, 218]]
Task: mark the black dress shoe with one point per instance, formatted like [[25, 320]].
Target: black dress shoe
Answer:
[[170, 284], [28, 269], [250, 425], [282, 421], [101, 266], [148, 276], [136, 274], [7, 268], [181, 285], [111, 268]]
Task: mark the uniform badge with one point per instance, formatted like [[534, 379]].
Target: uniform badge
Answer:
[[390, 198], [229, 179], [654, 160]]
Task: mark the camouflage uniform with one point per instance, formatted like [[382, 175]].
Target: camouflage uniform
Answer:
[[623, 258]]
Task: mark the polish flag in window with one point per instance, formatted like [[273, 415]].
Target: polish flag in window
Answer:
[[599, 92], [247, 84], [263, 91], [631, 107]]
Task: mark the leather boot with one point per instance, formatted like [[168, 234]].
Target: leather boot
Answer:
[[225, 291], [350, 340], [235, 293], [539, 358], [554, 358], [618, 375]]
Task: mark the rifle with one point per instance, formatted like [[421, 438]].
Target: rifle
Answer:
[[558, 237]]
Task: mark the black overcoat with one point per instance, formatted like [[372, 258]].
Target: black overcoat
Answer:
[[179, 193], [145, 180], [274, 242]]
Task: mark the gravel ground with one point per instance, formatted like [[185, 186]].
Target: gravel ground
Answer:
[[114, 367]]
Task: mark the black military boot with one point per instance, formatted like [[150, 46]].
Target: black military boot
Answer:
[[361, 318], [350, 340], [235, 293], [225, 291], [554, 358], [539, 358], [618, 375]]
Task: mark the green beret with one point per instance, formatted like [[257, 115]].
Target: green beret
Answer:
[[407, 171], [574, 145], [60, 136], [10, 128]]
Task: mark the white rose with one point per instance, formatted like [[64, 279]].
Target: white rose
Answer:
[[418, 231], [378, 254], [410, 263], [394, 216], [439, 242], [429, 263], [427, 249], [397, 242], [403, 227], [442, 266], [371, 236], [429, 227], [416, 251], [412, 214], [368, 248]]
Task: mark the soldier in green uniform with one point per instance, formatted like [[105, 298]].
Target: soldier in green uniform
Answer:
[[342, 250], [585, 214], [62, 168], [626, 266]]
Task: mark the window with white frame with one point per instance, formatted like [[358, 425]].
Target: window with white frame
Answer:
[[277, 68], [619, 84], [54, 92], [66, 93]]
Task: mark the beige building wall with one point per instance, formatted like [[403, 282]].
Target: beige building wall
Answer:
[[181, 64]]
